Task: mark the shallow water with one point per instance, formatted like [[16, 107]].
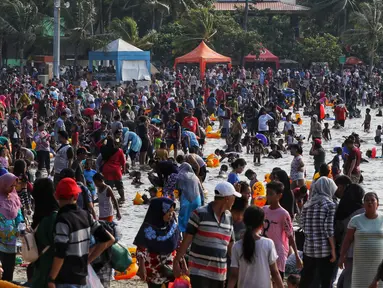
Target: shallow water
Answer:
[[132, 215]]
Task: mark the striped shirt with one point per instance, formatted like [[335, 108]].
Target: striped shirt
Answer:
[[318, 226], [207, 257]]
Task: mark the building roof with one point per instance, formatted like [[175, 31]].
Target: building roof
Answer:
[[262, 6], [119, 45]]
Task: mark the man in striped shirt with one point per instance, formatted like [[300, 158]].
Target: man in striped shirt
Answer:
[[211, 235]]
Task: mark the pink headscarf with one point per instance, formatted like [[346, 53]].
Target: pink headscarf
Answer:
[[9, 203]]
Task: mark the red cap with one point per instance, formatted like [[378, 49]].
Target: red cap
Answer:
[[67, 188], [318, 141]]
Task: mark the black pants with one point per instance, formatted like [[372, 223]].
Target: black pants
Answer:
[[203, 282], [325, 269], [8, 262], [152, 285], [44, 160], [119, 186]]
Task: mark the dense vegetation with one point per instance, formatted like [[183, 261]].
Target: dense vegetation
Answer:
[[170, 28]]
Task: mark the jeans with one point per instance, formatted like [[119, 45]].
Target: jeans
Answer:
[[70, 286], [325, 269]]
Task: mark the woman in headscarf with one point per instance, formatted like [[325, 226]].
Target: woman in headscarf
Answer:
[[350, 204], [157, 241], [112, 166], [287, 201], [44, 218], [10, 218], [190, 193], [318, 226]]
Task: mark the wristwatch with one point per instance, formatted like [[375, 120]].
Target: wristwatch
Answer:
[[51, 280]]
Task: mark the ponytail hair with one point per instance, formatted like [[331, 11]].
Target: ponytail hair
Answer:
[[253, 219]]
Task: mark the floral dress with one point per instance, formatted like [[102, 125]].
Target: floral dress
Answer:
[[153, 264]]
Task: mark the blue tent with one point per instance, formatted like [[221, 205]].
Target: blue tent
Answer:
[[131, 62]]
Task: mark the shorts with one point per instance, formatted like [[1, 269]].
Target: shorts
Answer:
[[145, 145], [203, 282], [107, 219]]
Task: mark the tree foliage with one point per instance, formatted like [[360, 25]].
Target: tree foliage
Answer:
[[322, 48]]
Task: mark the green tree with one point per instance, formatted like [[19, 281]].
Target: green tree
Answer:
[[79, 19], [19, 21], [127, 30], [368, 27], [324, 48]]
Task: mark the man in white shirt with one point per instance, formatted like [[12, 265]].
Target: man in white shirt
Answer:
[[263, 126]]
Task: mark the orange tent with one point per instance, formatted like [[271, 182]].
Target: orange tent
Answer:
[[202, 55]]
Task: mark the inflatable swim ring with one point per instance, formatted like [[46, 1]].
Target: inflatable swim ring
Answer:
[[213, 118], [212, 161], [138, 199], [216, 134], [159, 193], [321, 112], [33, 145], [267, 178], [128, 273], [330, 118], [308, 184], [209, 129], [263, 138], [316, 176], [259, 194]]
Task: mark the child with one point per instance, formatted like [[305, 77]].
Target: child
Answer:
[[246, 141], [278, 225], [238, 167], [290, 138], [281, 146], [326, 132], [335, 168], [105, 199], [367, 121], [4, 159], [162, 153], [137, 178], [223, 170], [258, 150], [237, 211], [252, 176], [88, 175], [293, 281], [245, 190], [378, 135], [231, 156], [274, 154], [253, 258]]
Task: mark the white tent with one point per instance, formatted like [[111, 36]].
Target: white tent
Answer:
[[132, 63]]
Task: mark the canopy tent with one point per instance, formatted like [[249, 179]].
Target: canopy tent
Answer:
[[353, 61], [131, 62], [264, 56], [202, 55]]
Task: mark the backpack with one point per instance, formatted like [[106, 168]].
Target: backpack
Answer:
[[29, 250]]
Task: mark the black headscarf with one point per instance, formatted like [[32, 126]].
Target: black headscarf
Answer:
[[351, 201], [287, 201], [108, 150], [45, 202], [155, 234]]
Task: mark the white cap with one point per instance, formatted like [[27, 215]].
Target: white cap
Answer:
[[225, 189]]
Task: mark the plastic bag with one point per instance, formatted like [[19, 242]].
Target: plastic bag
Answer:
[[92, 280]]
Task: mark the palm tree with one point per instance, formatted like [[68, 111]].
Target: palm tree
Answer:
[[198, 26], [127, 30], [79, 19], [368, 26], [19, 20]]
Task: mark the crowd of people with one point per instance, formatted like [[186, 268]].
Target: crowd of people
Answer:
[[66, 147]]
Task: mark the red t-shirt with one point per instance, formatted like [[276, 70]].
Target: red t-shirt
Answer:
[[190, 123], [112, 168], [340, 113], [354, 154]]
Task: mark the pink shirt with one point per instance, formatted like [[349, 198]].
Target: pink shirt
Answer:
[[278, 227]]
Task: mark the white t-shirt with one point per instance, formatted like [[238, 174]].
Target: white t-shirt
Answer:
[[83, 84], [256, 274], [262, 122]]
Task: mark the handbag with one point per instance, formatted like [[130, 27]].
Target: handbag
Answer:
[[121, 257], [29, 250]]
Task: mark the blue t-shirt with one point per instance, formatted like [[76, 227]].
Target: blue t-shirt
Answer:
[[88, 174], [233, 178]]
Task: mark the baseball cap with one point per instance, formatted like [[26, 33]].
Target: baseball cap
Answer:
[[66, 189], [225, 189]]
